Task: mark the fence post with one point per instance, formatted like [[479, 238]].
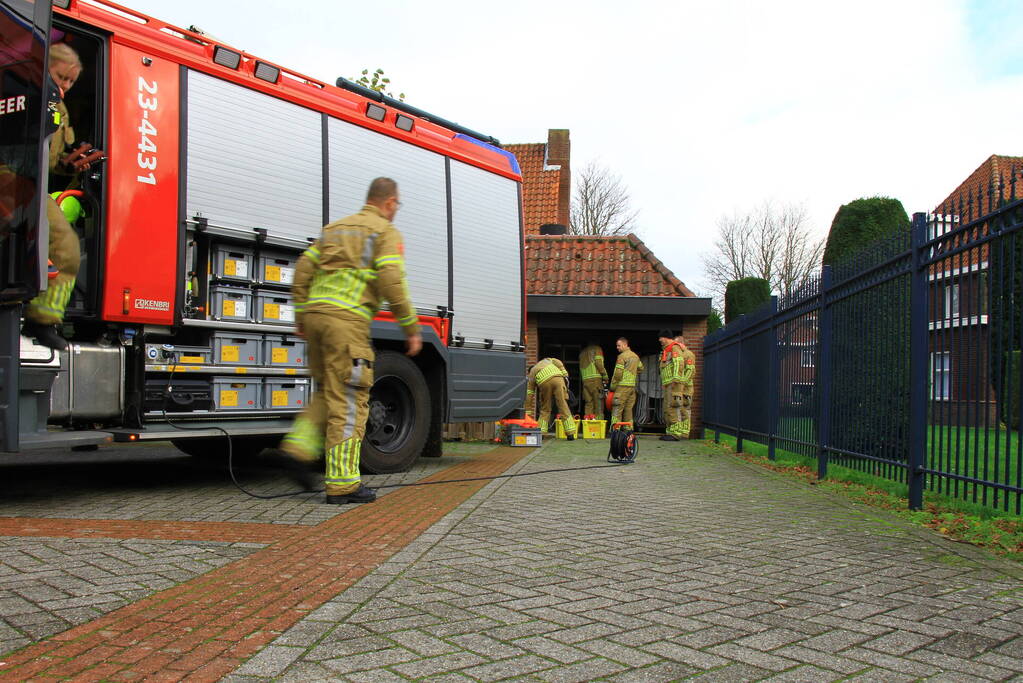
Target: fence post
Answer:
[[738, 390], [824, 378], [773, 381], [918, 357]]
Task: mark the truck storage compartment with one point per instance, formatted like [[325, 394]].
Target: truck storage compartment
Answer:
[[238, 393], [231, 303], [237, 348], [178, 396], [274, 307], [232, 263], [159, 354], [280, 392], [284, 351], [277, 267]]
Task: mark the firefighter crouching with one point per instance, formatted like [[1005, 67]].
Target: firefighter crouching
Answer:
[[671, 365], [623, 383], [688, 383], [550, 376], [338, 286], [46, 311], [594, 379]]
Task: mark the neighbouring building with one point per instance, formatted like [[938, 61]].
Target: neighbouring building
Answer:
[[584, 288]]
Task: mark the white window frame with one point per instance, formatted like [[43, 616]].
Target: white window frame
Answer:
[[952, 301], [805, 354], [792, 393], [941, 376]]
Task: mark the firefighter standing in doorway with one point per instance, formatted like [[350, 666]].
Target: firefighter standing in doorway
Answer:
[[623, 383], [594, 379], [550, 376], [45, 312], [339, 284], [688, 383], [672, 364]]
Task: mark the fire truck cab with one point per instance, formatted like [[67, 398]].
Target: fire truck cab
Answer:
[[222, 169]]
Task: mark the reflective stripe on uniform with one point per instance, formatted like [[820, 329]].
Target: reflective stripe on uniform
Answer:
[[313, 254], [389, 259], [51, 303], [546, 372], [304, 438], [343, 463]]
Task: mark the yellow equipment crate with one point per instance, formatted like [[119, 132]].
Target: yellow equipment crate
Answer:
[[559, 428], [593, 429]]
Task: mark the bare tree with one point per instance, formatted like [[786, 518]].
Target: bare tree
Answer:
[[601, 204], [773, 243]]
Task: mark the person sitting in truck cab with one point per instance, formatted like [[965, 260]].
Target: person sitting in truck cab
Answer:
[[45, 312]]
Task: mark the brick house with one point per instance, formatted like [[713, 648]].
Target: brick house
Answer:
[[960, 343], [582, 288]]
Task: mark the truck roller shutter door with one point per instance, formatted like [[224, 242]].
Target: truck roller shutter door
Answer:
[[254, 161], [487, 255], [355, 157]]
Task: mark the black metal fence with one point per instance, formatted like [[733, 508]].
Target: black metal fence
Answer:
[[903, 362]]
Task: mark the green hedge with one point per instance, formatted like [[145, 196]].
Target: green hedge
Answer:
[[859, 223], [744, 296]]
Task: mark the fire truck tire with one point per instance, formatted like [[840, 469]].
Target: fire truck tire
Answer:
[[399, 415]]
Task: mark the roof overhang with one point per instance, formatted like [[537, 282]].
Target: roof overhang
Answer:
[[674, 306]]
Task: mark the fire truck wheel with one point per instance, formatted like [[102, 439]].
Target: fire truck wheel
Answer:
[[399, 415]]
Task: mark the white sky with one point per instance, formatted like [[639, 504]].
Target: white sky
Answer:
[[703, 108]]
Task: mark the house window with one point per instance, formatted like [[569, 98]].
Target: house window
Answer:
[[952, 301], [806, 358], [941, 376], [801, 393]]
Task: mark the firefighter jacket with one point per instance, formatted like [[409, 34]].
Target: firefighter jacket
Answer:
[[627, 369], [356, 263], [591, 363], [544, 371], [63, 137], [688, 368], [672, 363]]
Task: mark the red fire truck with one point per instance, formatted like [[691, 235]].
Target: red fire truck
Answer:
[[222, 168]]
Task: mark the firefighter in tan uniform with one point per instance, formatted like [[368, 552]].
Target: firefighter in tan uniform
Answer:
[[550, 376], [623, 383], [46, 311], [594, 379], [671, 365], [338, 287], [688, 384]]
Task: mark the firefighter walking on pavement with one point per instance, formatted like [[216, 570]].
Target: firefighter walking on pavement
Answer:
[[339, 284], [623, 383], [551, 379], [594, 379], [671, 365]]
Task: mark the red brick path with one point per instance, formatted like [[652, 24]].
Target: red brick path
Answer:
[[205, 628]]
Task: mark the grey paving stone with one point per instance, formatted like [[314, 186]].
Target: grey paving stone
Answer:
[[270, 661], [589, 670]]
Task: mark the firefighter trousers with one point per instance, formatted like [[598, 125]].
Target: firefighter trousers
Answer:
[[592, 405], [552, 392], [687, 410], [621, 407], [48, 308], [334, 423], [674, 413]]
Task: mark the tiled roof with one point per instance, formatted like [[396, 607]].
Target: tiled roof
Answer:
[[572, 265], [979, 193], [539, 187]]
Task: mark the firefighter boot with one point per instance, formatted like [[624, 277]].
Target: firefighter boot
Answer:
[[364, 494], [47, 335]]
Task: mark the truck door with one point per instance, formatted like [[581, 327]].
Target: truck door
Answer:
[[24, 33]]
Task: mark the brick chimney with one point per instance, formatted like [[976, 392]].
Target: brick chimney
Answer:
[[559, 151]]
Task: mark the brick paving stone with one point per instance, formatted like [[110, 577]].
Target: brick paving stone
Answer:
[[540, 578]]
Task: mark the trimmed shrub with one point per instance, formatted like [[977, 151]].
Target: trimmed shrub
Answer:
[[860, 223], [744, 296]]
